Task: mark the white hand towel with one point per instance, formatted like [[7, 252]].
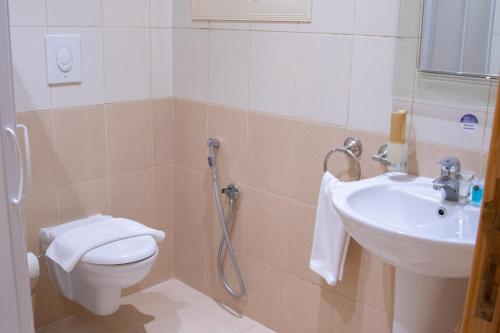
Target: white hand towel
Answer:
[[331, 240], [68, 248]]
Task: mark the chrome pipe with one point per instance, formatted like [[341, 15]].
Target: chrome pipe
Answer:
[[225, 245]]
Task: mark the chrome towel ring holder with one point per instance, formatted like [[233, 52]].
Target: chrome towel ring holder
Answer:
[[353, 149]]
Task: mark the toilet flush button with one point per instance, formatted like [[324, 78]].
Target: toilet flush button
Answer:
[[63, 59]]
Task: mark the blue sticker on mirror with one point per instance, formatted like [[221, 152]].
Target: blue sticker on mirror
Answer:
[[469, 123]]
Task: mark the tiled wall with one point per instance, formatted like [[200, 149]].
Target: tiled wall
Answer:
[[279, 96], [277, 163], [112, 159], [105, 145], [125, 50]]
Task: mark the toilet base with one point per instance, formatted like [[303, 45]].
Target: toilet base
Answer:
[[100, 301]]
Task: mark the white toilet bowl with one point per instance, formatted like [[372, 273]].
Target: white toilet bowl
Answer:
[[100, 275]]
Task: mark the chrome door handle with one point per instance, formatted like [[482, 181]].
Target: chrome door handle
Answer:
[[17, 149]]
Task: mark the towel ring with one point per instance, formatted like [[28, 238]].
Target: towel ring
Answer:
[[353, 149]]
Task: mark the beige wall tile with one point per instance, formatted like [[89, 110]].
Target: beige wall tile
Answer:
[[129, 130], [163, 196], [131, 196], [267, 218], [301, 229], [269, 153], [229, 126], [163, 127], [41, 132], [237, 229], [264, 299], [367, 279], [352, 317], [166, 261], [311, 143], [423, 158], [214, 286], [190, 134], [193, 205], [80, 144], [49, 306], [39, 210], [371, 143], [189, 259], [82, 200], [308, 307]]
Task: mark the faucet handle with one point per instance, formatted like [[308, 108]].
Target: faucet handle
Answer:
[[450, 166]]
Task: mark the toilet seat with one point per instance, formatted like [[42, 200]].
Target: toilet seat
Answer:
[[124, 251]]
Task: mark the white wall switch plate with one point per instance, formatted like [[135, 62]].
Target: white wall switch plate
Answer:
[[63, 59]]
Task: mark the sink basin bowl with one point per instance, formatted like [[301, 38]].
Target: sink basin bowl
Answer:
[[407, 223]]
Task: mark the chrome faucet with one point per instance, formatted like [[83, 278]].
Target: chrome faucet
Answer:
[[449, 181]]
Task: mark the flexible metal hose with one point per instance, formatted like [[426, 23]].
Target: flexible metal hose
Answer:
[[225, 222]]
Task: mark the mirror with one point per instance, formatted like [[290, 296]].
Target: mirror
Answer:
[[461, 37]]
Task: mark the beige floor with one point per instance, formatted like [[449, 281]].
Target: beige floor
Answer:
[[169, 307]]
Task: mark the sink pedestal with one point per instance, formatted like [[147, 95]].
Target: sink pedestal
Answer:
[[426, 304]]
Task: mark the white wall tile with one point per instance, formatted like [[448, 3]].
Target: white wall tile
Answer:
[[405, 68], [371, 83], [74, 13], [182, 16], [410, 15], [487, 131], [162, 62], [441, 124], [228, 68], [458, 92], [272, 71], [331, 16], [91, 90], [323, 76], [495, 55], [127, 65], [274, 26], [29, 69], [229, 25], [126, 13], [191, 63], [377, 17], [162, 12], [27, 13]]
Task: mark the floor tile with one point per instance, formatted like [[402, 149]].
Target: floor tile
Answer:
[[169, 307]]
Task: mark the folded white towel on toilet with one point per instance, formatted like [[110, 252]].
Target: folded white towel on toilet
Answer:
[[47, 235], [331, 240], [68, 247]]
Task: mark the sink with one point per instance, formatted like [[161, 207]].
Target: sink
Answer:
[[405, 221], [430, 241]]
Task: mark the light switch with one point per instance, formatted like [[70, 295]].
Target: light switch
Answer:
[[63, 59]]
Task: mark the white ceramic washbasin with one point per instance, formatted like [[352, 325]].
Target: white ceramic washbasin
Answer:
[[400, 219]]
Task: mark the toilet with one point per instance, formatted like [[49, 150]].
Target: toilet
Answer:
[[98, 278]]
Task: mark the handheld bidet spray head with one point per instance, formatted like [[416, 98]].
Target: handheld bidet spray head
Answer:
[[213, 145]]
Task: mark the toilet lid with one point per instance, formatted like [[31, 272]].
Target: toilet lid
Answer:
[[123, 251]]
